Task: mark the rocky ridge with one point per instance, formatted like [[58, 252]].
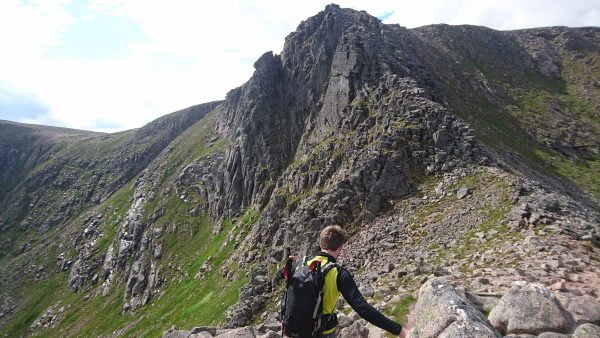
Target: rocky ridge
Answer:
[[551, 261]]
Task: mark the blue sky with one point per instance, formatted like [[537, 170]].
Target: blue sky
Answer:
[[15, 105], [95, 35], [109, 65]]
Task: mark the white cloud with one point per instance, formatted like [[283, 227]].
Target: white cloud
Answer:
[[502, 15], [195, 51], [30, 28]]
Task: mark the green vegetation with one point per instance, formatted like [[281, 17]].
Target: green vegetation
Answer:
[[112, 141], [543, 108], [188, 301], [37, 297], [428, 211], [539, 82], [529, 112], [585, 172], [250, 217], [491, 216], [494, 126], [114, 210], [8, 243], [185, 302], [193, 144], [551, 115], [366, 105], [188, 243], [90, 317], [401, 309], [292, 200], [488, 71], [492, 219], [332, 146], [580, 109]]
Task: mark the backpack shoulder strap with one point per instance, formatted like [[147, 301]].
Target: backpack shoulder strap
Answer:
[[330, 266]]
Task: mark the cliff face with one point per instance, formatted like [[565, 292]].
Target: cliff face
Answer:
[[352, 124]]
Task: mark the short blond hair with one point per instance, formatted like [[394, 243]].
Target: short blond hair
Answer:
[[332, 237]]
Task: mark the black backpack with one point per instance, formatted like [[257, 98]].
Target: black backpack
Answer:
[[302, 307]]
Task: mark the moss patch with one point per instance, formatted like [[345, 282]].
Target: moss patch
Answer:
[[401, 309], [114, 210], [38, 297], [584, 172]]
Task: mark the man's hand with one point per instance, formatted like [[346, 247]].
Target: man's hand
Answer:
[[404, 332]]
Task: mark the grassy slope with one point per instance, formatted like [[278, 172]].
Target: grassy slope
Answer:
[[548, 106], [525, 119], [37, 296], [86, 151], [81, 170], [186, 301], [97, 150]]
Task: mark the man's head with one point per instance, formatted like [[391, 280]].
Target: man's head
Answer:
[[332, 238]]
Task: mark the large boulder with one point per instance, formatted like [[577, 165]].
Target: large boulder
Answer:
[[242, 332], [553, 335], [529, 308], [442, 312], [586, 331], [585, 309], [174, 333], [203, 332]]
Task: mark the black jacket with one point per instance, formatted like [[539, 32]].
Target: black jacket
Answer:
[[347, 287]]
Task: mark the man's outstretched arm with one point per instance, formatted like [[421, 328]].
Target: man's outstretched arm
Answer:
[[349, 290]]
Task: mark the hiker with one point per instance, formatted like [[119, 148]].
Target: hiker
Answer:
[[336, 280]]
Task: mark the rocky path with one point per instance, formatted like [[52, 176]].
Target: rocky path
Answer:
[[484, 253]]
